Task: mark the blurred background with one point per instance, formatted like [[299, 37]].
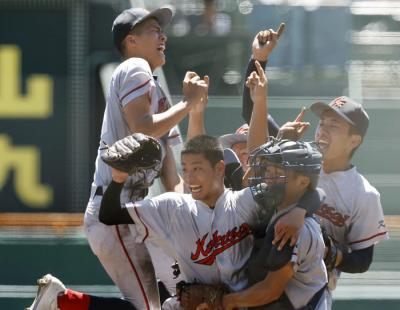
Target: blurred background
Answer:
[[56, 58]]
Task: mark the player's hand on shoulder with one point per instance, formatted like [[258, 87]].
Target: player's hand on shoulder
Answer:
[[288, 227], [257, 83], [265, 41], [195, 91]]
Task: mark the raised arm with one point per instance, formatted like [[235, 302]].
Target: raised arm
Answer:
[[263, 44], [140, 119], [170, 177], [258, 129], [196, 115]]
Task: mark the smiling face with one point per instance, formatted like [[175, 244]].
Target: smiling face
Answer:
[[204, 180], [148, 41], [335, 139]]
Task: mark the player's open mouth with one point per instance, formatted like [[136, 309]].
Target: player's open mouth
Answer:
[[322, 145], [161, 48], [195, 188]]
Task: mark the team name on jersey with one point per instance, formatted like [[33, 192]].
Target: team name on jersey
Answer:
[[332, 215], [163, 105], [218, 244]]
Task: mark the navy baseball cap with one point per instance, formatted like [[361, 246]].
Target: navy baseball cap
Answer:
[[351, 111], [129, 18]]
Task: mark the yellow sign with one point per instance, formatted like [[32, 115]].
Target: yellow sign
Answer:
[[37, 103], [25, 161]]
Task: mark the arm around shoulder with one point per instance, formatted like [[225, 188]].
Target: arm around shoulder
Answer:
[[263, 292]]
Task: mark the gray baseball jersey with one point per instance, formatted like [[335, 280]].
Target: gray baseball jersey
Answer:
[[210, 245], [308, 265], [352, 213], [127, 263], [132, 79]]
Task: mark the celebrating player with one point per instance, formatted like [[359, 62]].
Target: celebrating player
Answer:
[[294, 277], [208, 231], [135, 102], [352, 215]]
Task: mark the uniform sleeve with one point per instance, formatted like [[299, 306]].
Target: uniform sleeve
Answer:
[[174, 136], [135, 79], [307, 248], [298, 251], [247, 207], [368, 223], [153, 216]]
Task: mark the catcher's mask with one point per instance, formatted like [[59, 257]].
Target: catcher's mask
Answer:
[[272, 161]]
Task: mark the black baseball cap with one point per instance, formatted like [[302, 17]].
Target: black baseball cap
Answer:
[[351, 111], [129, 18]]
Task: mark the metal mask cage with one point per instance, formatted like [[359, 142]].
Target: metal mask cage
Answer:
[[260, 164]]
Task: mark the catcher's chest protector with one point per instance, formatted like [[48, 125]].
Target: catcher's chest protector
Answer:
[[266, 257]]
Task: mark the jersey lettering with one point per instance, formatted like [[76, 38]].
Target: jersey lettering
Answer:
[[330, 213], [218, 244], [162, 105]]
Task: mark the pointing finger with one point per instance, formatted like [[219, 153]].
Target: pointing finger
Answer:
[[300, 117], [281, 29]]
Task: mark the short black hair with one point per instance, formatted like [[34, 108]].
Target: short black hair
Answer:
[[205, 145], [353, 131]]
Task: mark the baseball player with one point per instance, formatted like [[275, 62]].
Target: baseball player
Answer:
[[295, 277], [352, 215], [237, 141], [204, 197], [208, 231], [196, 244], [135, 102], [237, 154]]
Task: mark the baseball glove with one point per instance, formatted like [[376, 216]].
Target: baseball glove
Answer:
[[191, 295], [133, 153], [331, 247]]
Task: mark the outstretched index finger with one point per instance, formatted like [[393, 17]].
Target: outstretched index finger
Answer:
[[300, 117], [280, 29]]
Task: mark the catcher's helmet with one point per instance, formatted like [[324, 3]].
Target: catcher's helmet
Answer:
[[302, 157]]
